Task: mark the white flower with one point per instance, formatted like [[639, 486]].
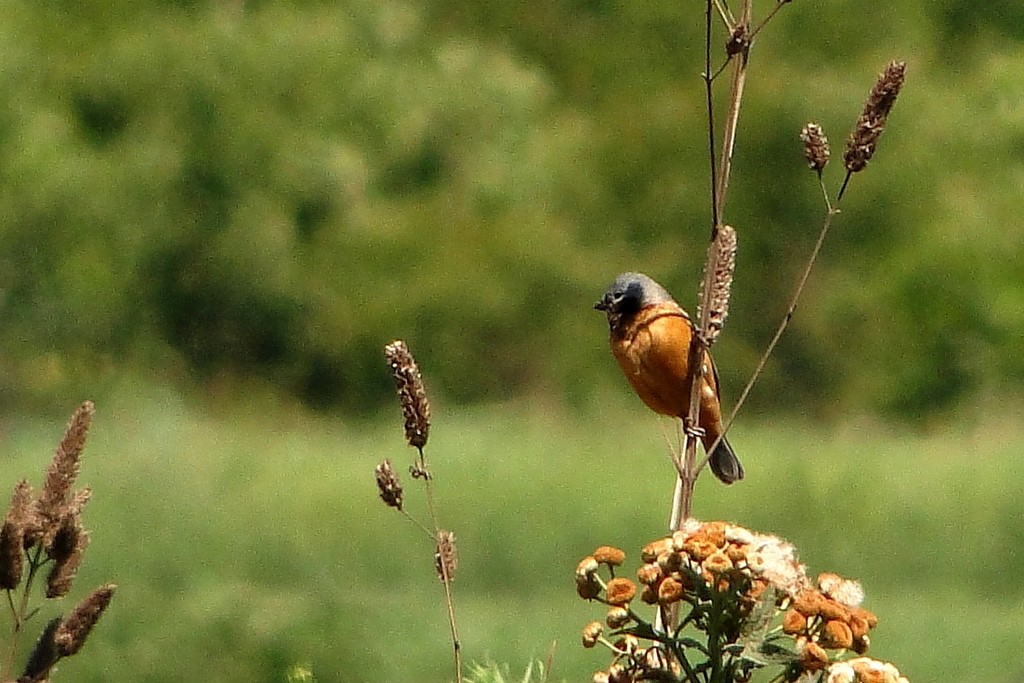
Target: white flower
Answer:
[[844, 591], [737, 534], [841, 672], [775, 560]]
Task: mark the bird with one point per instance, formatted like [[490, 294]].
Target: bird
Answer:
[[650, 337]]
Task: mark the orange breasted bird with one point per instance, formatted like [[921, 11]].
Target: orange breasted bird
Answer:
[[650, 337]]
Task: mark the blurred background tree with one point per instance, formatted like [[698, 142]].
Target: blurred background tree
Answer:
[[230, 193]]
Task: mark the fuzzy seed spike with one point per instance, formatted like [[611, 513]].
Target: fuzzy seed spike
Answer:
[[860, 146], [44, 654], [388, 484], [60, 477], [723, 265], [816, 148], [72, 632], [446, 559], [409, 385]]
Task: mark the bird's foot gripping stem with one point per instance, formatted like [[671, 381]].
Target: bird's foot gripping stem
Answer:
[[691, 430]]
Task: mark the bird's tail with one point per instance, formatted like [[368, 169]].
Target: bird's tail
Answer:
[[724, 463]]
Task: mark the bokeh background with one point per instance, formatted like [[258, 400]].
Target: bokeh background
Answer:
[[213, 216]]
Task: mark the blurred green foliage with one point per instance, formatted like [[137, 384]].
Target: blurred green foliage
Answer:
[[259, 191]]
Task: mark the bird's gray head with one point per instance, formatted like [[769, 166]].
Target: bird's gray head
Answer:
[[628, 294]]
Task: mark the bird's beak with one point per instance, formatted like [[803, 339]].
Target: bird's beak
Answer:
[[601, 305]]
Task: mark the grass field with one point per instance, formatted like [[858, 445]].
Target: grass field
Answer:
[[245, 544]]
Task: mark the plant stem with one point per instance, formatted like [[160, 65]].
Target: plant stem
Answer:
[[445, 578]]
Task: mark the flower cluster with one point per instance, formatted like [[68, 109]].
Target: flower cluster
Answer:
[[745, 592], [829, 617]]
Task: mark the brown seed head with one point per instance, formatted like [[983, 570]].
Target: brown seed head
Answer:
[[44, 654], [722, 262], [446, 559], [860, 146], [620, 591], [60, 477], [739, 41], [409, 385], [12, 559], [18, 523], [72, 632], [815, 146], [388, 484], [67, 558]]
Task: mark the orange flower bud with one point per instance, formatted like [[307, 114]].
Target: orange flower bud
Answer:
[[613, 557], [620, 591]]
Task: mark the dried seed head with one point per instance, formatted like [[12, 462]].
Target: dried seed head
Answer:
[[18, 523], [409, 384], [72, 632], [815, 146], [722, 262], [860, 146], [12, 559], [389, 485], [60, 477], [44, 654], [445, 557], [69, 545], [739, 40]]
